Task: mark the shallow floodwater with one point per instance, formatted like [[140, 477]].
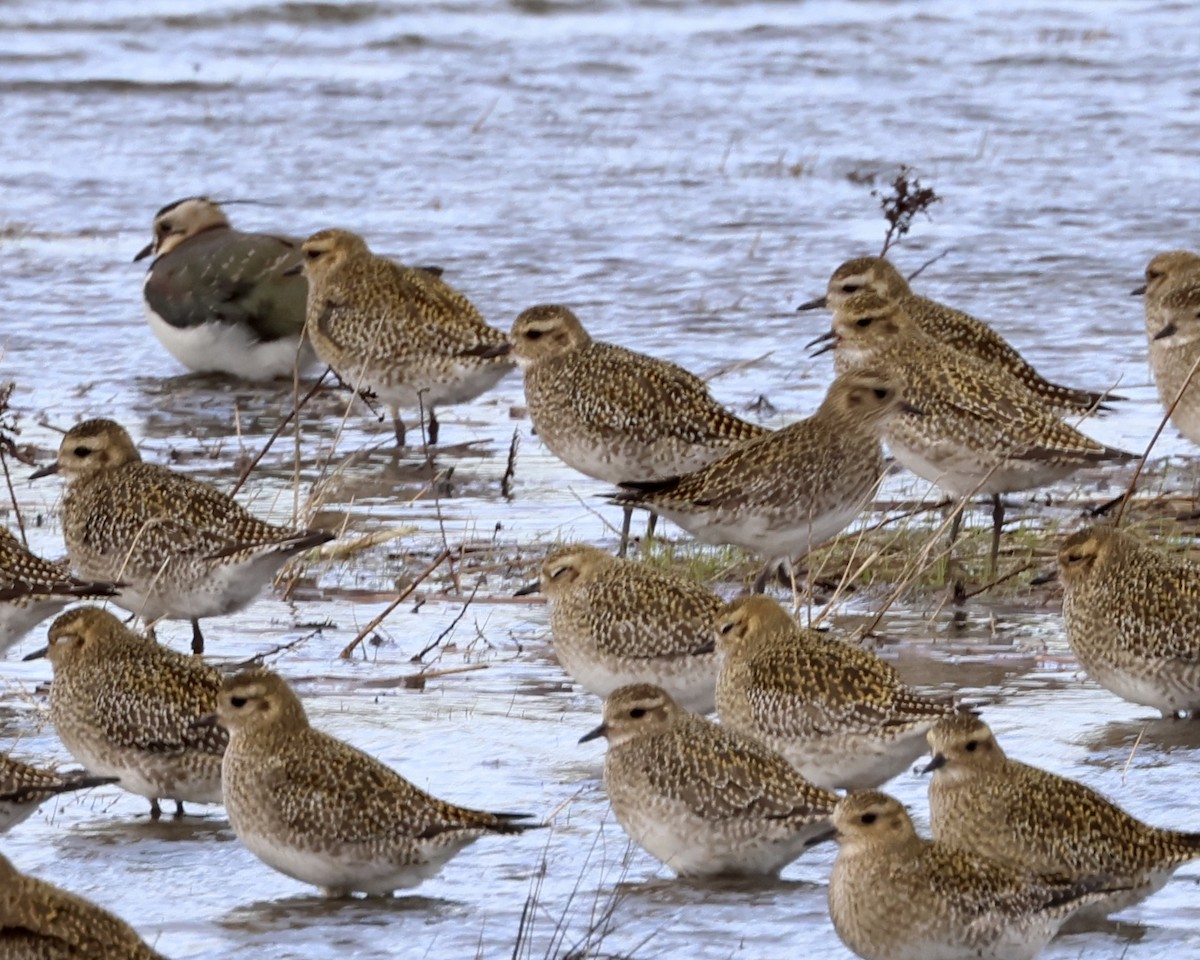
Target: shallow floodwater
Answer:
[[683, 176]]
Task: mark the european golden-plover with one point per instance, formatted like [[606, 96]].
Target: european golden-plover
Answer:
[[39, 921], [219, 299], [836, 712], [23, 788], [32, 589], [399, 332], [125, 706], [982, 801], [1133, 618], [948, 326], [896, 896], [702, 799], [615, 414], [320, 811], [981, 430], [181, 549], [1174, 348], [783, 494], [616, 622]]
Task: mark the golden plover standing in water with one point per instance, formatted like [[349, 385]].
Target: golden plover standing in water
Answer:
[[981, 431], [784, 494], [837, 713], [32, 589], [896, 896], [125, 706], [23, 788], [614, 414], [1133, 618], [1173, 331], [948, 326], [397, 331], [182, 549], [219, 299], [320, 811], [39, 921], [1035, 820], [617, 622], [702, 799]]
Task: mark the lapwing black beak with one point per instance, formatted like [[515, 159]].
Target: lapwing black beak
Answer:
[[37, 654], [1041, 578], [529, 588], [208, 720], [44, 472], [1138, 291], [908, 408], [144, 252], [294, 271], [816, 304], [1168, 331]]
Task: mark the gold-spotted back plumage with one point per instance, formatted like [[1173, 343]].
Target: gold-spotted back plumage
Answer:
[[39, 921], [787, 492], [981, 431], [125, 706], [322, 812], [838, 713], [1173, 333], [617, 622], [181, 548], [982, 801], [612, 413], [398, 331], [1132, 614], [896, 896], [23, 788], [615, 414], [701, 798], [32, 589], [952, 328]]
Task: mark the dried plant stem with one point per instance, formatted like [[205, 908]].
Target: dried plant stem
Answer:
[[1162, 425], [279, 428], [12, 496], [403, 595]]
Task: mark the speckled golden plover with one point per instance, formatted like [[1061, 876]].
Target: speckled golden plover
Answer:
[[32, 589], [399, 332], [320, 811], [784, 494], [948, 326], [39, 921], [702, 799], [617, 622], [982, 801], [182, 549], [981, 431], [1133, 618], [1173, 331], [836, 712], [125, 706], [614, 414], [23, 788], [896, 896], [219, 299]]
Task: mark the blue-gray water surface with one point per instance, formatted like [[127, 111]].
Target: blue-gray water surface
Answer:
[[683, 175]]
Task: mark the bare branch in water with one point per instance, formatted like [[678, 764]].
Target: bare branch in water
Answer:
[[900, 207]]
